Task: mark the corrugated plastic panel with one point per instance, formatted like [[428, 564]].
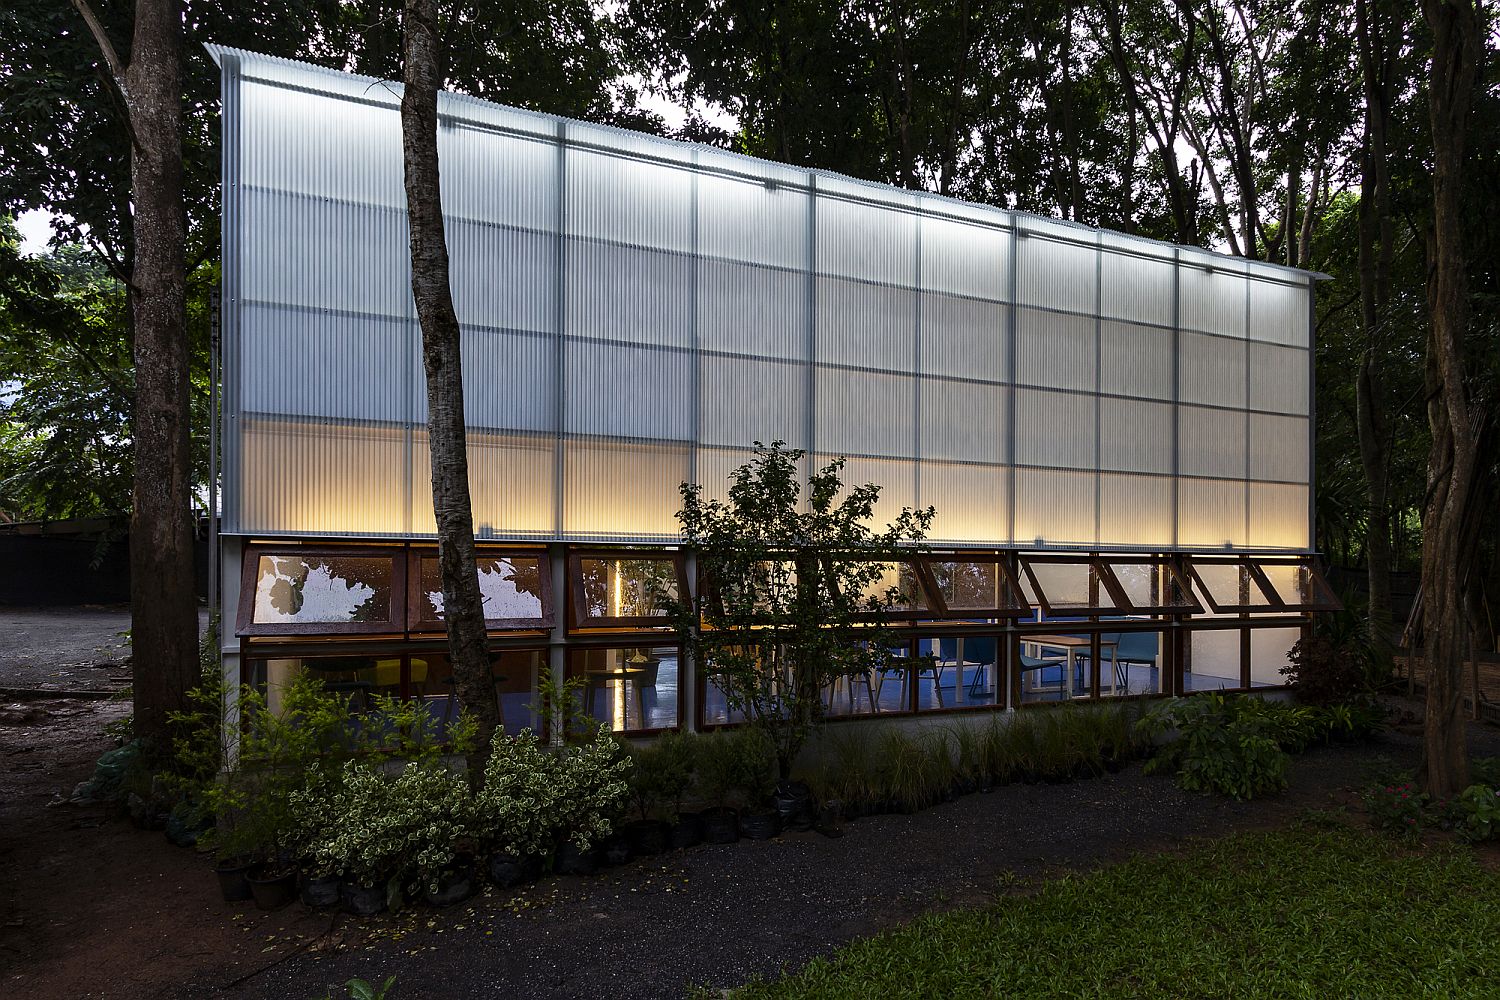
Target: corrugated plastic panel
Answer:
[[857, 239], [1278, 313], [896, 479], [296, 362], [751, 221], [962, 337], [510, 485], [1135, 360], [629, 294], [1210, 513], [622, 489], [1212, 370], [677, 316], [1279, 516], [745, 400], [1056, 350], [964, 259], [970, 501], [1135, 435], [525, 298], [1278, 378], [1211, 442], [865, 413], [631, 392], [962, 421], [716, 465], [1054, 429], [1136, 288], [748, 309], [872, 326], [1057, 274], [322, 478], [1278, 448], [1135, 511], [288, 258], [1055, 508], [624, 200]]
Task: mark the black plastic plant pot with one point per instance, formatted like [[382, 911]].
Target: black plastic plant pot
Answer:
[[721, 826], [572, 861], [687, 831], [273, 890], [453, 887], [794, 805], [233, 884], [760, 825], [320, 891], [363, 900], [509, 870], [616, 849], [647, 837]]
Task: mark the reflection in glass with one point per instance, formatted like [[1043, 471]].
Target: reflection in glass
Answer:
[[970, 586], [1296, 584], [1230, 585], [1150, 585], [511, 587], [306, 589], [630, 688], [896, 588], [627, 588]]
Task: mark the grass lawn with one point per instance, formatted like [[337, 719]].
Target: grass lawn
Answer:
[[1315, 911]]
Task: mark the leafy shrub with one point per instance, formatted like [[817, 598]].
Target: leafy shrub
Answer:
[[1322, 672], [738, 767], [1485, 771], [404, 830], [517, 811], [590, 789], [1399, 808], [662, 772], [1223, 745], [1478, 813]]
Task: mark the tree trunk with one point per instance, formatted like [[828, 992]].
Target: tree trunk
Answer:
[[1376, 250], [463, 606], [1452, 463], [163, 609]]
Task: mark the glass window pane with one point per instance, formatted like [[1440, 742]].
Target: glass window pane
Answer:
[[1268, 654], [1069, 587], [1229, 585], [303, 589], [958, 672], [514, 672], [971, 586], [1055, 667], [625, 587], [1150, 584], [629, 688], [511, 587], [1298, 585], [1213, 660], [897, 588], [1131, 663]]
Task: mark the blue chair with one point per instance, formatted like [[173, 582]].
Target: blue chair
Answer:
[[1128, 647], [978, 650]]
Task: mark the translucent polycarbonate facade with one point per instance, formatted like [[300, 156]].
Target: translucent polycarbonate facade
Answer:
[[637, 313]]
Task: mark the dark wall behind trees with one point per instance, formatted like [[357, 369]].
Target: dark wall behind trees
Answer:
[[1240, 126]]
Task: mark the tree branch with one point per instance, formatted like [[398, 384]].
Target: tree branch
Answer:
[[111, 58]]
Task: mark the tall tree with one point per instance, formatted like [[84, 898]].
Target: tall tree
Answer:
[[1450, 519], [164, 632], [463, 605]]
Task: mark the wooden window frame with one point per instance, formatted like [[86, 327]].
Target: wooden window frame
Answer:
[[1098, 569], [940, 610], [417, 622], [246, 625], [576, 603], [1106, 566], [1273, 602], [1330, 601]]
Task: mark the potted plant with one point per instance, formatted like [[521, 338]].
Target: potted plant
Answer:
[[660, 775], [517, 813], [591, 793]]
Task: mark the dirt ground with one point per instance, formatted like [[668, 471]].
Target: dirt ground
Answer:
[[71, 649], [92, 907]]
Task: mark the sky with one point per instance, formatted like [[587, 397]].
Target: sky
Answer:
[[36, 230]]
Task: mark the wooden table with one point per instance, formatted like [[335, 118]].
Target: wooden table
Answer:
[[1071, 645]]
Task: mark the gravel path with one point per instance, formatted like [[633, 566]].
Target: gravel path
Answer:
[[715, 916]]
